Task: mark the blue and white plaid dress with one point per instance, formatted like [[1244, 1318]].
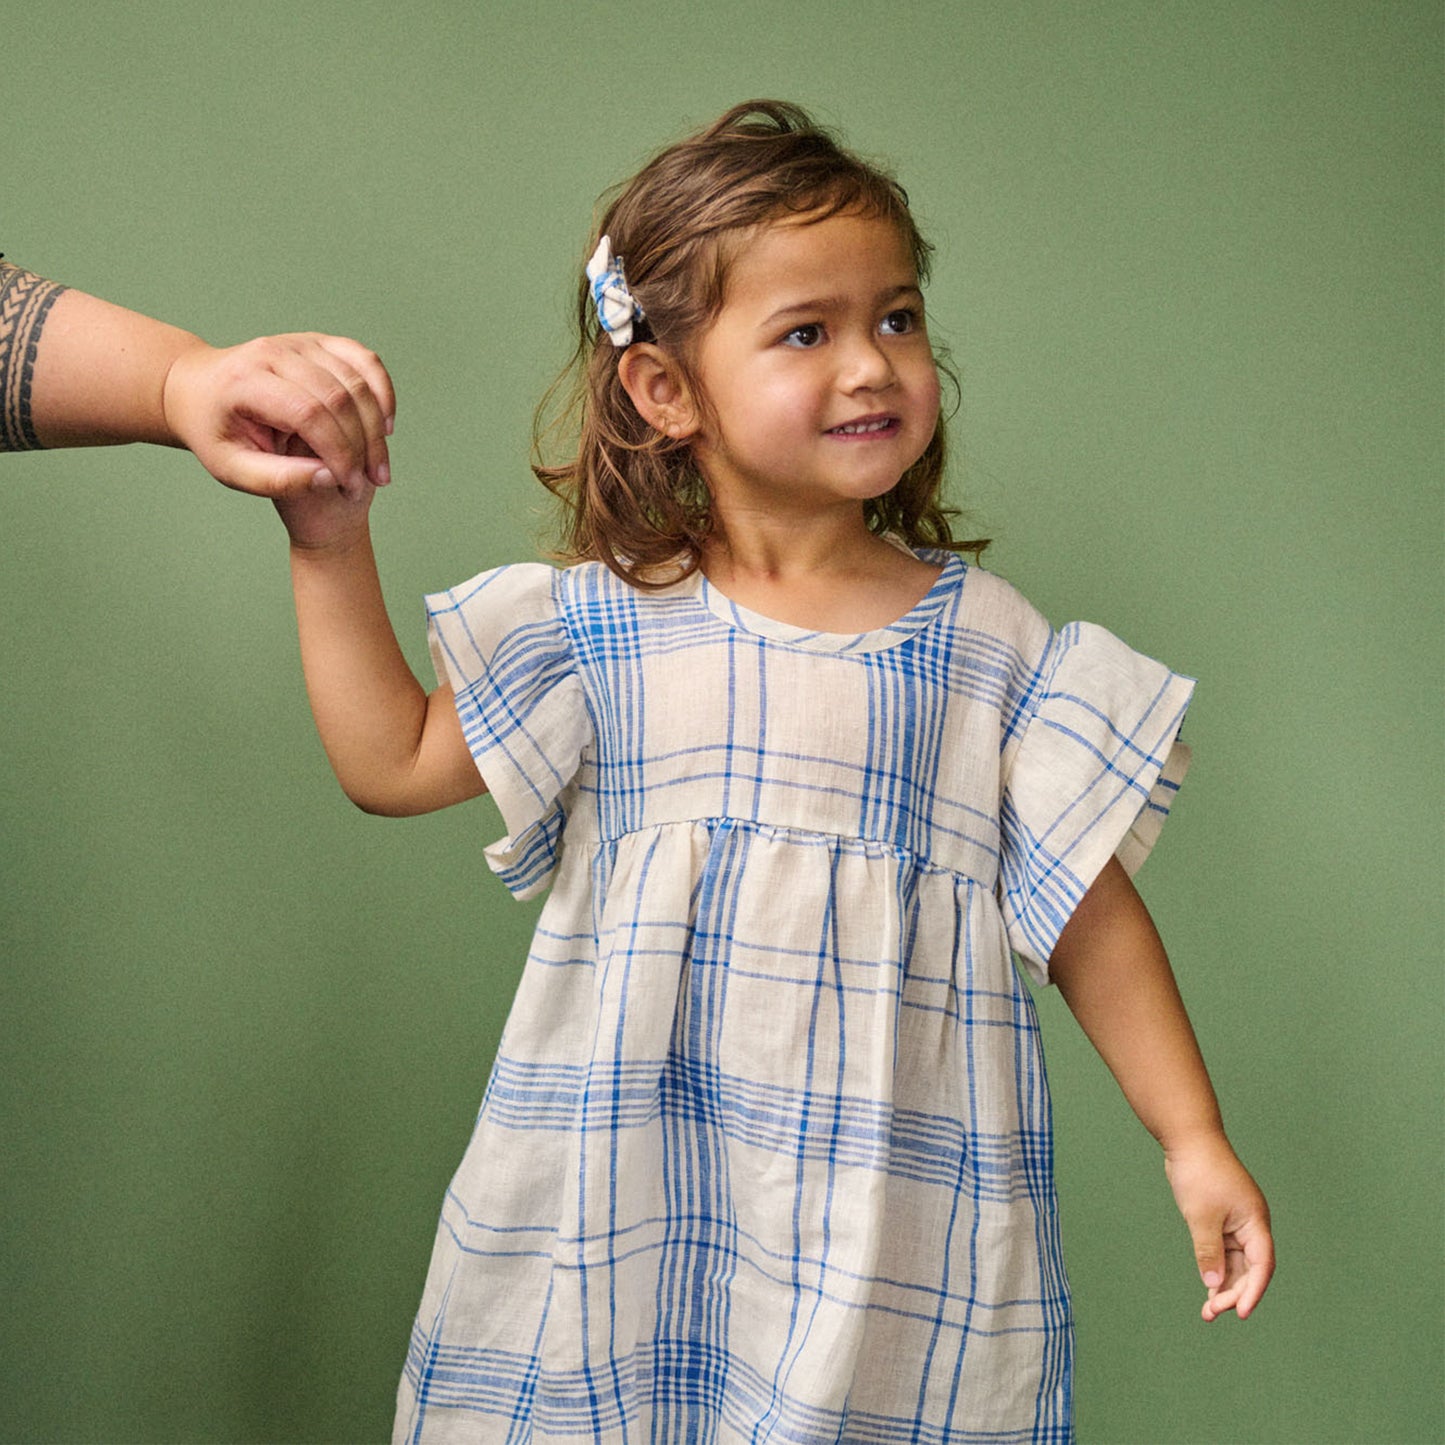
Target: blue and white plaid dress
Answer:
[[765, 1154]]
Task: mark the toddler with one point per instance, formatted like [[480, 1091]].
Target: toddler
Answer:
[[765, 1154]]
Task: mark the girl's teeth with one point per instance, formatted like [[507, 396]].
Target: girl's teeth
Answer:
[[852, 430]]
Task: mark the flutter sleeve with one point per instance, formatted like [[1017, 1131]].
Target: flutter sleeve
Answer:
[[500, 643], [1091, 773]]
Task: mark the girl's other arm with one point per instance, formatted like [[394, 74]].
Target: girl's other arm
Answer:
[[395, 749], [1112, 970]]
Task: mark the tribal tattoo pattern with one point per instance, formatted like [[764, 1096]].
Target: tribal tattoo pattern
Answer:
[[25, 301]]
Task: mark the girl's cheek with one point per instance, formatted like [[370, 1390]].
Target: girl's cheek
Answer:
[[933, 391]]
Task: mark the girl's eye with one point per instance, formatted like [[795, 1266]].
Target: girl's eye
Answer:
[[804, 336], [900, 323]]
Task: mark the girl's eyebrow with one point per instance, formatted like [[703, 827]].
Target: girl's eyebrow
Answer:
[[822, 304]]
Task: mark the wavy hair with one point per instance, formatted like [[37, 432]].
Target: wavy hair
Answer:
[[631, 496]]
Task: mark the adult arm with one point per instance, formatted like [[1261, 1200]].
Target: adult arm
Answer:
[[1112, 970], [272, 416]]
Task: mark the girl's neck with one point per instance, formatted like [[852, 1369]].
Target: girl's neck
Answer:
[[827, 573], [788, 547]]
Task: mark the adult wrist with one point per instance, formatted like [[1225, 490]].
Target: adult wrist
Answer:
[[176, 403]]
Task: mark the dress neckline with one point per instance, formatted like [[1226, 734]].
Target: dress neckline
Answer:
[[812, 640]]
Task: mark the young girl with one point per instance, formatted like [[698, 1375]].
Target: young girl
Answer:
[[765, 1154]]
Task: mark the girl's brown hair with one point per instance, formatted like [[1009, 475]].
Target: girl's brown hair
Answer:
[[632, 497]]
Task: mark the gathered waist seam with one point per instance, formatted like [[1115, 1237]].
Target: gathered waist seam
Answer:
[[573, 838]]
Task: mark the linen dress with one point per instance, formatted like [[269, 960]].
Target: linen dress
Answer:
[[765, 1154]]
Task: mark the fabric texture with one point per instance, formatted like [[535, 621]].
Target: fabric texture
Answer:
[[765, 1154]]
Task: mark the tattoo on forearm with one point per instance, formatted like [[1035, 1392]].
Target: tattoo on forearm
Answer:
[[25, 301]]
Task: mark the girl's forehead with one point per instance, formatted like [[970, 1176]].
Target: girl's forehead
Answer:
[[836, 252]]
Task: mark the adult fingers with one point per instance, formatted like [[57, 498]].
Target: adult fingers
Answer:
[[369, 365], [333, 410], [370, 398], [380, 395]]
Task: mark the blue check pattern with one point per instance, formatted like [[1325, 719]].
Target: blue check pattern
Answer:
[[765, 1154]]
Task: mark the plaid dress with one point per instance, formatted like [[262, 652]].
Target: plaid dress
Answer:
[[765, 1154]]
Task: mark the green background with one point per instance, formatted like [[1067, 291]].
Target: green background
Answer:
[[1188, 264]]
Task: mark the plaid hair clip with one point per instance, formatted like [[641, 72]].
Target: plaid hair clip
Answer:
[[616, 307]]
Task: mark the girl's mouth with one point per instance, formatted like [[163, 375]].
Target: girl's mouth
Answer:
[[865, 426]]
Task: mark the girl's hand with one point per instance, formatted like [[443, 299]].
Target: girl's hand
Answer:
[[325, 517], [1228, 1220]]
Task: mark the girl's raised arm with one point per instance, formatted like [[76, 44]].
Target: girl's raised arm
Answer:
[[1112, 970], [395, 749]]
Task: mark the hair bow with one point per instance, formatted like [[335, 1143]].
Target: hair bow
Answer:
[[616, 306]]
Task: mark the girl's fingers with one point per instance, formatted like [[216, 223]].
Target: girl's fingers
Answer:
[[1259, 1252], [1209, 1251], [1248, 1269]]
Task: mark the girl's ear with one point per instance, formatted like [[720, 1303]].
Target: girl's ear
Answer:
[[658, 390]]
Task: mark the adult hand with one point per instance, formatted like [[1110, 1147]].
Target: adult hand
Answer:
[[281, 414], [272, 416]]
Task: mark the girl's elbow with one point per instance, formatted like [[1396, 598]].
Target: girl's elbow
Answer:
[[378, 807], [372, 796], [411, 795], [382, 804]]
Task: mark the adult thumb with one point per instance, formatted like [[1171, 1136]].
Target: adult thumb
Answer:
[[265, 474]]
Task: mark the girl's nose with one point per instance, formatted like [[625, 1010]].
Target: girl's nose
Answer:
[[867, 366]]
